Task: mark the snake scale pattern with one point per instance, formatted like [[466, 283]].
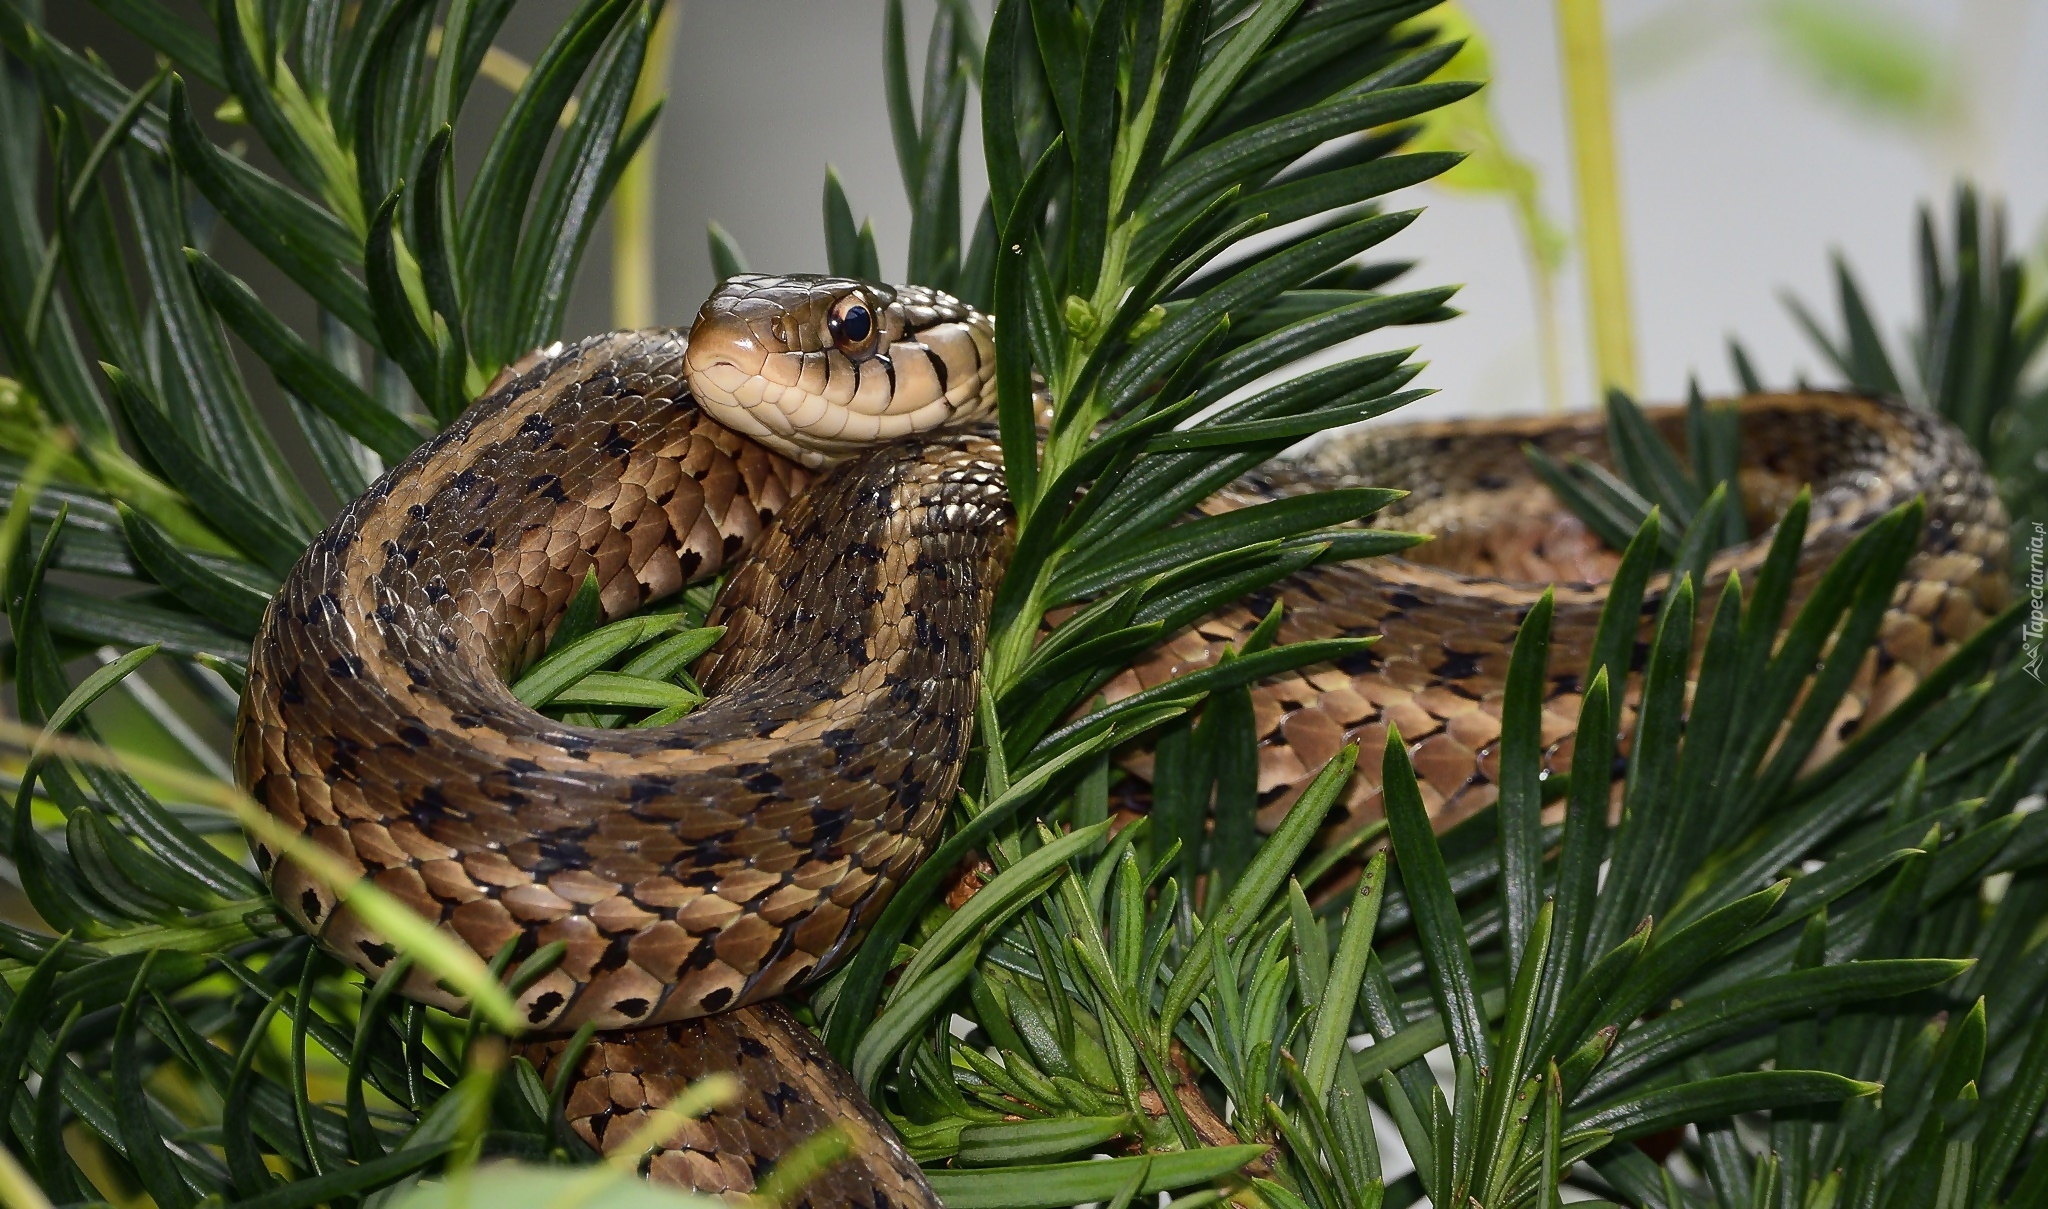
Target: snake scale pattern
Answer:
[[826, 441]]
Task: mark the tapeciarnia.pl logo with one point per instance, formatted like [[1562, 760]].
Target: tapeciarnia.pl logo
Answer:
[[2037, 599]]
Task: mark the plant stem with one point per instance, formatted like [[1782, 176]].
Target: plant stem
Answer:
[[1583, 37], [633, 300]]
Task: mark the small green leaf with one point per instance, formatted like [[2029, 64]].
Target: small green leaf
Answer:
[[1045, 1187], [1755, 1091], [842, 238], [617, 690], [1448, 952], [1012, 1142], [1332, 1025], [726, 258], [1782, 996], [567, 664], [667, 658]]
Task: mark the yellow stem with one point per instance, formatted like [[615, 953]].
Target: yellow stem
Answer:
[[1584, 40], [1549, 338], [18, 1189], [633, 300], [508, 71]]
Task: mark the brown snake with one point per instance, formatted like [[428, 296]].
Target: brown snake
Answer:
[[710, 864]]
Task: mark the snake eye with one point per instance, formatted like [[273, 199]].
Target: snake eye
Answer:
[[853, 326]]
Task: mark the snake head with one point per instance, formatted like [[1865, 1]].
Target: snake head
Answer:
[[820, 368]]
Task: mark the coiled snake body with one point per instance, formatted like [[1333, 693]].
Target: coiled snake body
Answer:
[[829, 430]]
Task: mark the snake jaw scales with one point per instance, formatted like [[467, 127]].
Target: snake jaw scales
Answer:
[[711, 864]]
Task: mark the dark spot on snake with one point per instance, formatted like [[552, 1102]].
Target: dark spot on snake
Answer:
[[907, 693], [633, 1008], [938, 367], [387, 613], [689, 561], [322, 605], [910, 794], [536, 426], [731, 545], [751, 1048], [520, 764], [436, 590], [1404, 600], [309, 903], [293, 690], [415, 675], [476, 535], [345, 667], [616, 954], [704, 878], [1458, 665], [844, 742], [1357, 663], [767, 517], [466, 721], [544, 1006], [548, 486], [561, 852], [264, 859], [866, 552], [1565, 682], [648, 789], [378, 955], [429, 805], [718, 998], [827, 822], [763, 782], [414, 734], [616, 444], [779, 1100], [1490, 482]]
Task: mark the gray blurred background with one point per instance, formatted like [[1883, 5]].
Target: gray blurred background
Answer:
[[1754, 137]]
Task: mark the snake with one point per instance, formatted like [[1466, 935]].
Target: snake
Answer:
[[826, 444]]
